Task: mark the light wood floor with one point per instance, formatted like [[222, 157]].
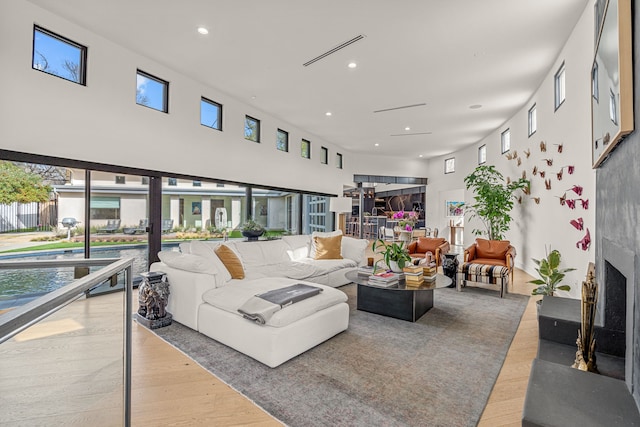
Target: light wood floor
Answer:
[[170, 389], [506, 401]]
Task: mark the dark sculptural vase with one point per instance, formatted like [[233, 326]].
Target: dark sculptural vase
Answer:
[[252, 235], [450, 267]]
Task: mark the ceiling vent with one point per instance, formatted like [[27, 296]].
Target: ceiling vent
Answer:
[[411, 134], [334, 50], [422, 104]]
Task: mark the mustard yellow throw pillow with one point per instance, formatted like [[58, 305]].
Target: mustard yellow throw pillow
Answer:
[[230, 261], [328, 247]]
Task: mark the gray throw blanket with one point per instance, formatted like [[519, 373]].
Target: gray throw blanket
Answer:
[[260, 308]]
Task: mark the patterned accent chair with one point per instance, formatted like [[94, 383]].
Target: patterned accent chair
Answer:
[[487, 261], [437, 246]]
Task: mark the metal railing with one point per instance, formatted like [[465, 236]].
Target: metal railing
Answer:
[[17, 320]]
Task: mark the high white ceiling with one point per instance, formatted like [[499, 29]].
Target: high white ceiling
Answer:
[[445, 54]]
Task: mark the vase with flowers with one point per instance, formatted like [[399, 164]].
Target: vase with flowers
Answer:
[[406, 219]]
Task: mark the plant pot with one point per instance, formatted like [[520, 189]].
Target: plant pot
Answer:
[[395, 267], [252, 235]]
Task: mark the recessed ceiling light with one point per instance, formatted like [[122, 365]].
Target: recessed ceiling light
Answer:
[[352, 65], [475, 106], [376, 144], [328, 113], [407, 128], [420, 155], [203, 31], [253, 97]]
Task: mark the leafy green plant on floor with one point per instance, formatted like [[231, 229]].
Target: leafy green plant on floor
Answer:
[[550, 275]]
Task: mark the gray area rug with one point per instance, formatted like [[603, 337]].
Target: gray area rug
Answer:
[[381, 371]]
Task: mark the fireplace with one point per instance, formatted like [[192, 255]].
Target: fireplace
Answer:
[[616, 279]]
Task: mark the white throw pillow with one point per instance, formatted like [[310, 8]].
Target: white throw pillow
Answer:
[[187, 262], [298, 246], [206, 250], [354, 249], [312, 251], [298, 254]]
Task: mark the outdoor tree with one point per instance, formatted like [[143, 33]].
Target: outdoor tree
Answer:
[[141, 98], [72, 68], [49, 174], [18, 185]]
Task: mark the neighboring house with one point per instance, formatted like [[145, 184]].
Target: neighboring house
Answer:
[[190, 204]]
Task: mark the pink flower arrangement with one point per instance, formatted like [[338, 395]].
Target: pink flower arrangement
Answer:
[[406, 220]]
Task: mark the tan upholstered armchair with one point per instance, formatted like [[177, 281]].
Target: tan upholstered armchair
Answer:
[[491, 252], [436, 245]]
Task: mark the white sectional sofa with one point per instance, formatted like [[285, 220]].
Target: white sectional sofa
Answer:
[[205, 297]]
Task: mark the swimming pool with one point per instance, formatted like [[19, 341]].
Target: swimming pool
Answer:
[[37, 281]]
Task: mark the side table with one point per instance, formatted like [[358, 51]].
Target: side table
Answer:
[[450, 267]]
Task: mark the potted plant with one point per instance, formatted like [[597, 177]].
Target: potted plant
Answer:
[[252, 230], [550, 275], [394, 254], [406, 220], [493, 200]]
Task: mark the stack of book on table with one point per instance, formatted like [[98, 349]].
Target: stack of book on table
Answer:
[[413, 275], [429, 272], [365, 271], [384, 279]]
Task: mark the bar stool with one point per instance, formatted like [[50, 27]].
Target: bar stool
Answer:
[[367, 230], [353, 228]]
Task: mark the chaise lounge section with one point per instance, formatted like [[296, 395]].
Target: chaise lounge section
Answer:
[[209, 281]]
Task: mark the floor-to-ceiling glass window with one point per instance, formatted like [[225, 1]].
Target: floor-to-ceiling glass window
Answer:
[[276, 210], [316, 214], [202, 209], [119, 220]]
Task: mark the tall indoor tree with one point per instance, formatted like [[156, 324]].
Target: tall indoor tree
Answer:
[[494, 200]]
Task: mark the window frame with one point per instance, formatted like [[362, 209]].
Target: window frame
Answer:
[[196, 183], [613, 108], [449, 161], [82, 73], [248, 118], [505, 141], [532, 120], [595, 84], [306, 142], [324, 155], [99, 213], [165, 90], [339, 161], [172, 182], [215, 104], [285, 134], [120, 179], [482, 154], [560, 86]]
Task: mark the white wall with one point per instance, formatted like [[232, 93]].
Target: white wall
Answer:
[[547, 223], [101, 122]]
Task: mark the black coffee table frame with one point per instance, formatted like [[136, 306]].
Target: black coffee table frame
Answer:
[[398, 301]]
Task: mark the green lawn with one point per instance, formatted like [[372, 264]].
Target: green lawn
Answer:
[[69, 245]]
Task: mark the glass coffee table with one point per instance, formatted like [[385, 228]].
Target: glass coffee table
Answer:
[[399, 300]]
